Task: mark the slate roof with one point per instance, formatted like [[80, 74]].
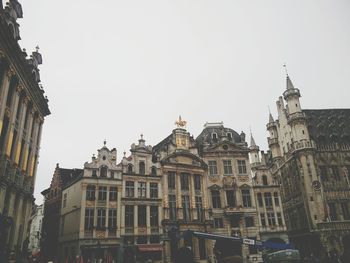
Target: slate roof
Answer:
[[329, 125], [221, 131], [68, 175]]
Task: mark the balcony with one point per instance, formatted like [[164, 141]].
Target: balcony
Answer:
[[237, 210], [129, 230], [88, 233], [154, 230], [334, 226], [302, 144]]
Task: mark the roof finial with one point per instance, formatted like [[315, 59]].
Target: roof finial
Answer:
[[285, 68], [180, 123], [104, 142], [124, 153], [141, 136], [37, 48]]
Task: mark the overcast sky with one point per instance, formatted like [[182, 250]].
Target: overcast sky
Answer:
[[115, 69]]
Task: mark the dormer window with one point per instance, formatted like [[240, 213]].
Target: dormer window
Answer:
[[94, 173], [264, 180], [154, 170], [130, 168], [214, 136], [229, 136], [103, 171], [142, 168]]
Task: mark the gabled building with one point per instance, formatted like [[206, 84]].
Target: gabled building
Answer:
[[230, 187], [23, 108], [311, 159], [90, 211], [141, 202], [52, 210]]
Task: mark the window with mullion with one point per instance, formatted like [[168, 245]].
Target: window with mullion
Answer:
[[242, 168], [102, 193], [197, 182], [129, 189], [153, 190], [184, 179], [172, 207], [101, 218], [154, 216], [231, 198], [171, 180], [113, 193], [129, 216], [247, 202], [216, 201], [268, 199], [141, 189], [141, 215], [199, 208], [90, 192], [213, 169], [89, 218], [112, 218], [227, 167], [186, 207]]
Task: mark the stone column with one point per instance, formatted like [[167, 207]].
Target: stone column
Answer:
[[167, 253], [27, 141], [160, 218], [4, 92], [178, 197], [2, 197], [11, 139], [120, 214], [136, 216], [274, 208], [148, 220], [82, 210], [19, 219], [195, 248], [122, 220]]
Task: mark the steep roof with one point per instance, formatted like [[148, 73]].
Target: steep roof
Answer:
[[329, 125]]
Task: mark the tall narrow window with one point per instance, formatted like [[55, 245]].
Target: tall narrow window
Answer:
[[154, 216], [199, 208], [141, 215], [89, 218], [113, 192], [184, 179], [268, 199], [215, 197], [129, 216], [103, 171], [332, 211], [335, 173], [218, 223], [271, 219], [277, 201], [102, 193], [171, 180], [101, 218], [213, 169], [262, 219], [242, 168], [130, 168], [129, 189], [186, 207], [153, 190], [279, 219], [247, 202], [264, 179], [142, 168], [345, 210], [227, 167], [142, 190], [231, 198], [260, 200], [112, 218], [154, 170], [172, 207], [323, 173], [197, 182], [64, 200], [90, 192]]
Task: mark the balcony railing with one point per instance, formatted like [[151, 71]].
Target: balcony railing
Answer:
[[88, 233], [296, 116], [129, 230], [272, 141], [333, 226]]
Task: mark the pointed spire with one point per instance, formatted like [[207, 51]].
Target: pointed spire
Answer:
[[271, 118], [252, 141], [289, 83]]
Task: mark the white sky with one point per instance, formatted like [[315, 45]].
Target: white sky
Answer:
[[115, 69]]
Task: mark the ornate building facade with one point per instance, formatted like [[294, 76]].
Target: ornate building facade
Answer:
[[230, 187], [311, 160], [23, 107], [141, 203], [90, 211], [185, 196]]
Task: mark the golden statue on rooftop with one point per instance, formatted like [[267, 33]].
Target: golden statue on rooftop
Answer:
[[180, 123]]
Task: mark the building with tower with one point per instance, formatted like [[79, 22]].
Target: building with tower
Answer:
[[230, 187], [23, 107], [272, 226], [311, 161]]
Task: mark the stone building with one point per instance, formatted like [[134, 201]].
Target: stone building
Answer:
[[141, 202], [311, 159], [272, 226], [185, 196], [230, 187], [90, 211], [52, 210], [36, 221], [23, 107]]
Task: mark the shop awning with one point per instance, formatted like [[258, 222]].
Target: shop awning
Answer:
[[150, 247]]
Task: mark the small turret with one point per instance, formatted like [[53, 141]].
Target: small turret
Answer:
[[254, 151]]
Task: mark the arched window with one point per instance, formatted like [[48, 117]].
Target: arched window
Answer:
[[154, 170], [129, 168], [142, 168], [103, 171], [264, 179]]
